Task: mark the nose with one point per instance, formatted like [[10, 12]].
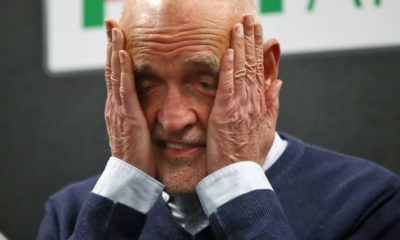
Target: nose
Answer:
[[176, 111]]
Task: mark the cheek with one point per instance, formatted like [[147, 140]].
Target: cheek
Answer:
[[201, 104], [203, 113], [150, 118], [149, 107]]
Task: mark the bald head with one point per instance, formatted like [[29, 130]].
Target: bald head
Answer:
[[138, 12], [164, 20]]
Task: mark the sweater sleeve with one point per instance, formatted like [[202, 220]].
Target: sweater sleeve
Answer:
[[115, 209], [99, 218], [241, 204], [49, 227], [254, 215], [230, 182]]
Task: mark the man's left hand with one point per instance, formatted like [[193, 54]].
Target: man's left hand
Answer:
[[242, 122]]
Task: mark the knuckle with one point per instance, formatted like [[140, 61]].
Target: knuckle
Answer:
[[251, 64], [108, 85], [249, 37], [107, 118], [107, 71], [240, 73], [107, 114], [115, 78], [124, 94], [250, 75]]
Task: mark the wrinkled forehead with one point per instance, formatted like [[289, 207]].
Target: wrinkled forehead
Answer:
[[173, 27], [175, 12]]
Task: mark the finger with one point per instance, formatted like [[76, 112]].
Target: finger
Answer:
[[251, 62], [237, 44], [225, 81], [252, 85], [108, 58], [110, 24], [129, 98], [117, 45], [258, 39]]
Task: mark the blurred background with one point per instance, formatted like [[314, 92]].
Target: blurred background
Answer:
[[52, 129]]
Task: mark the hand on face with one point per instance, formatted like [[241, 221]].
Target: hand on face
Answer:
[[129, 136], [241, 126]]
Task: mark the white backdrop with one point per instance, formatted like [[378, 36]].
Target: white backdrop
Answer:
[[328, 25]]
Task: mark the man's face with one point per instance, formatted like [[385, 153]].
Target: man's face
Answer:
[[176, 52]]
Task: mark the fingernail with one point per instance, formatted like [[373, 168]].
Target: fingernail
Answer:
[[239, 30], [108, 27], [258, 30], [229, 56], [121, 57], [249, 21], [114, 34]]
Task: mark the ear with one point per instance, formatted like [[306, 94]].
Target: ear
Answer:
[[272, 54]]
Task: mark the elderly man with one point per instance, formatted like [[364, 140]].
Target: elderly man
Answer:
[[191, 113]]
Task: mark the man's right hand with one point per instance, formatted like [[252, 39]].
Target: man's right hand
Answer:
[[129, 135]]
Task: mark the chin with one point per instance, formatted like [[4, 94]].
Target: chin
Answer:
[[177, 190], [181, 179]]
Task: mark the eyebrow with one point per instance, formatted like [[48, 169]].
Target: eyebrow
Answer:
[[207, 63], [210, 63], [141, 67]]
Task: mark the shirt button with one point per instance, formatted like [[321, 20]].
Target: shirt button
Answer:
[[165, 196]]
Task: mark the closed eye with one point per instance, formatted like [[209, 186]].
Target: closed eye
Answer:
[[142, 91], [146, 86], [207, 84]]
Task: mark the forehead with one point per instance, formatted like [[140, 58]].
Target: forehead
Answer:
[[170, 31]]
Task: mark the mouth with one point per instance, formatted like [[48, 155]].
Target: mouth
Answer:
[[177, 150]]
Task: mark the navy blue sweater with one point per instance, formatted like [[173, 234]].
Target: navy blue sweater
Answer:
[[317, 194]]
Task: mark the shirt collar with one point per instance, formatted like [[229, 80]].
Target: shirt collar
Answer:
[[193, 219]]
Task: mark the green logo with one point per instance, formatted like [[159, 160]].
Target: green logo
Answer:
[[358, 3], [93, 13], [276, 6], [271, 6], [93, 10]]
